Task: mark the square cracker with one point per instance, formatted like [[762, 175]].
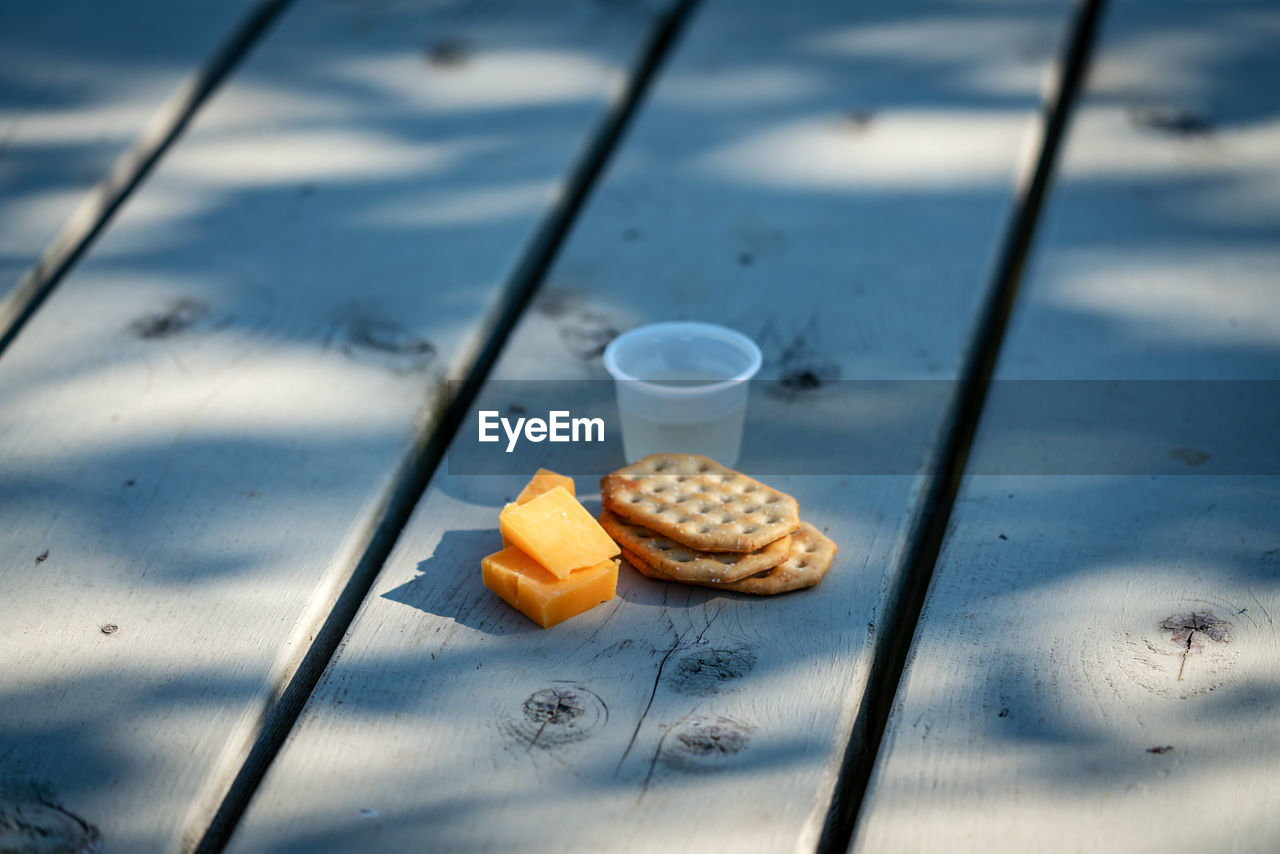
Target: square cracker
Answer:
[[812, 553], [699, 503], [682, 563]]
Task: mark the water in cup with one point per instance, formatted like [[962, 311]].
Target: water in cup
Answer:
[[682, 388], [720, 438]]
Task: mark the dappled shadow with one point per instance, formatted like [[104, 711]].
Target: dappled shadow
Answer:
[[1037, 607], [78, 84], [205, 422], [1057, 670], [1044, 680]]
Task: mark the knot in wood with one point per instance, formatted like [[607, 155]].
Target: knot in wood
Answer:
[[713, 739], [1171, 120], [42, 826], [1190, 628], [587, 335], [702, 745], [556, 716], [389, 344], [708, 671], [554, 706], [448, 53], [180, 316]]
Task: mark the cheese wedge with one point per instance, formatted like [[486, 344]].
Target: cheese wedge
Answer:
[[557, 532], [542, 597], [544, 480]]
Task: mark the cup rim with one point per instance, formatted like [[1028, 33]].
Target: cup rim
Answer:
[[710, 330]]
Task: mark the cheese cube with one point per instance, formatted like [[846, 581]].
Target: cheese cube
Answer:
[[539, 595], [544, 480], [557, 532]]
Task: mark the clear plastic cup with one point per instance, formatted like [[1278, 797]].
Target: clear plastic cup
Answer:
[[682, 388]]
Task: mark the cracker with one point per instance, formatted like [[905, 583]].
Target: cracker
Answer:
[[700, 503], [811, 556], [682, 563]]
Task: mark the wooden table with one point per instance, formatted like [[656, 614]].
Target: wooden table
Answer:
[[257, 258]]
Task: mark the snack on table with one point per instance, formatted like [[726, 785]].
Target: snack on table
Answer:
[[681, 563], [542, 597], [810, 557], [700, 503], [711, 526], [557, 532], [686, 518], [559, 561]]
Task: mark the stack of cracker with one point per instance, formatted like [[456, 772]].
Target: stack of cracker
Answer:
[[682, 517]]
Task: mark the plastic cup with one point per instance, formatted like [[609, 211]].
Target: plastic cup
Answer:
[[682, 388]]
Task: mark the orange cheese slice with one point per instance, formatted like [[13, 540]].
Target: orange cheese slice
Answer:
[[542, 597], [544, 480], [557, 532]]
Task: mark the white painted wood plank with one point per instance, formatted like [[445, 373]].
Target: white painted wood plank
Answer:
[[85, 89], [201, 429], [1052, 701], [778, 181]]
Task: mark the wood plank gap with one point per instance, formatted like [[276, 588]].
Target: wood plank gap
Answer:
[[929, 524], [130, 170], [416, 473]]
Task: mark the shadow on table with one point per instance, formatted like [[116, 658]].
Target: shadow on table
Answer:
[[448, 585]]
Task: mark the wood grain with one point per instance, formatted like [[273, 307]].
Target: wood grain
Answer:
[[202, 428], [1096, 665], [87, 91], [780, 180]]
